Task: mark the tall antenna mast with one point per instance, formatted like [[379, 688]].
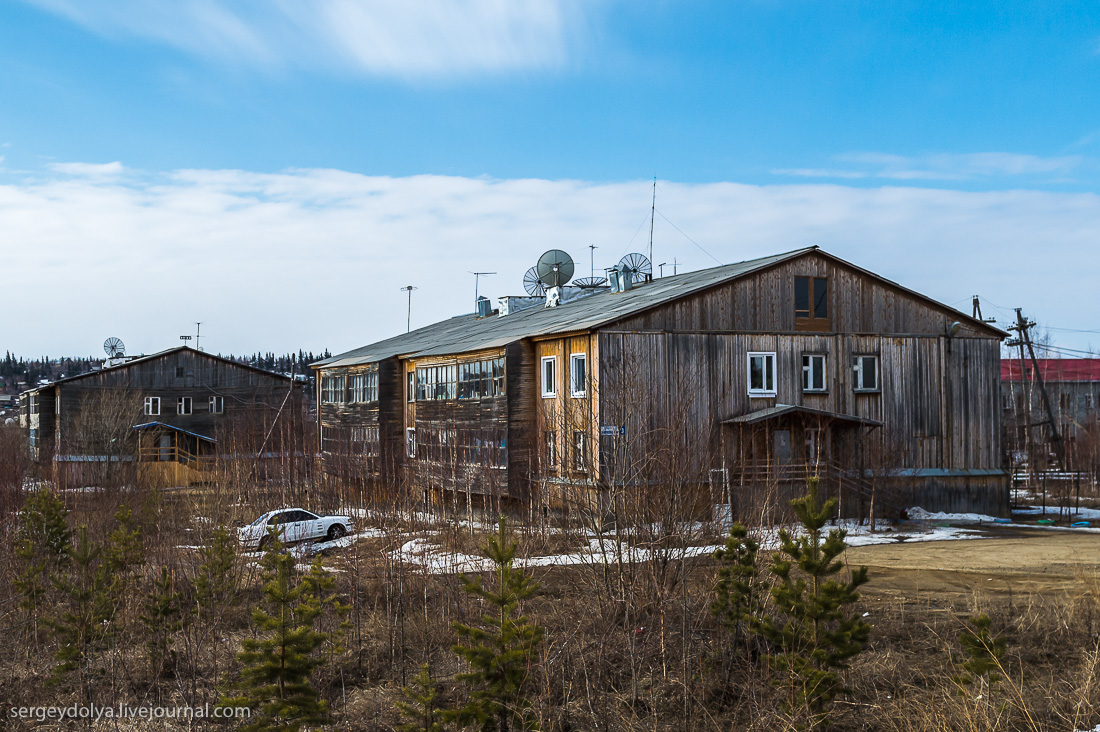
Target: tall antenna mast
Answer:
[[477, 276], [652, 213], [592, 258], [198, 336], [409, 289]]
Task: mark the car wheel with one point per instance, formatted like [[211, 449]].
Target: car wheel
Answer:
[[336, 531]]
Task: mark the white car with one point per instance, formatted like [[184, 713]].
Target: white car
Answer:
[[294, 525]]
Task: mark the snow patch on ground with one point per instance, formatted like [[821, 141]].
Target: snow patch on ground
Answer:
[[919, 514]]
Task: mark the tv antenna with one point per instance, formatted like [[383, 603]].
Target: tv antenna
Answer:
[[652, 213], [114, 347], [409, 289], [478, 276], [198, 336], [592, 259]]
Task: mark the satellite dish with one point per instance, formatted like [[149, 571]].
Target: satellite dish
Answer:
[[554, 268], [588, 283], [114, 347], [533, 284], [954, 328], [638, 265]]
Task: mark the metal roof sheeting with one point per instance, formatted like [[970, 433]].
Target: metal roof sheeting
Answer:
[[468, 333], [780, 410]]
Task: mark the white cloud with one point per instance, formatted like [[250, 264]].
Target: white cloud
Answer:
[[381, 37], [315, 258], [88, 170], [943, 166]]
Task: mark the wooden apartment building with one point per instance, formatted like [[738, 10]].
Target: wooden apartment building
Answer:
[[173, 411], [764, 370]]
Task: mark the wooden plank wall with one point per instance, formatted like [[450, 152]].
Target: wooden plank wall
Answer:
[[339, 419], [521, 390], [244, 390], [687, 383], [764, 302]]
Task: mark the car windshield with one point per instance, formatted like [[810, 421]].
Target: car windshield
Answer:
[[259, 521]]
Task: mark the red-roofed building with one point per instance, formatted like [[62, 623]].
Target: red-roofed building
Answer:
[[1073, 386]]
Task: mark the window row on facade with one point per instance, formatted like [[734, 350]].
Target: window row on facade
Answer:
[[185, 405], [363, 441], [578, 451], [364, 388], [578, 375], [450, 446], [762, 373], [481, 379]]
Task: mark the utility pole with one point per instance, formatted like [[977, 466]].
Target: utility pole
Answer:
[[1022, 326], [409, 289], [977, 306], [478, 276]]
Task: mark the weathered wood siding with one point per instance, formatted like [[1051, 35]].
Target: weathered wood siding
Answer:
[[521, 390], [764, 302], [687, 384], [186, 373]]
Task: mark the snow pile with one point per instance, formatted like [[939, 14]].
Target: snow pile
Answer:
[[919, 514]]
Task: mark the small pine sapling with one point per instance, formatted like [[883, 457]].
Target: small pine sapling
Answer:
[[814, 636], [161, 617], [983, 656], [276, 666], [81, 626], [421, 707], [42, 549], [736, 595], [332, 622], [501, 654]]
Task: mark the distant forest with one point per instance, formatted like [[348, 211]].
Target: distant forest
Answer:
[[30, 371]]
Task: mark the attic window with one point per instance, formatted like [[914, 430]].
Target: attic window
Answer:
[[811, 303]]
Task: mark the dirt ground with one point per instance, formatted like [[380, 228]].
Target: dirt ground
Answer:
[[1016, 561]]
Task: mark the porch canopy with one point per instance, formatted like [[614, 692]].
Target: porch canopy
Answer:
[[795, 410], [162, 442]]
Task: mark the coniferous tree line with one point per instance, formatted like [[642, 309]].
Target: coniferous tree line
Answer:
[[15, 369]]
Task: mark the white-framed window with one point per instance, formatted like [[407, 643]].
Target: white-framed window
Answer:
[[217, 405], [578, 374], [865, 373], [580, 451], [410, 442], [552, 450], [549, 376], [410, 386], [152, 406], [183, 405], [813, 372], [761, 374]]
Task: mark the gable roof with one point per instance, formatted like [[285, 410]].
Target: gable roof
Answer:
[[154, 356], [468, 333]]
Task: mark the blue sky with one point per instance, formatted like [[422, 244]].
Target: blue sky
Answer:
[[335, 148]]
